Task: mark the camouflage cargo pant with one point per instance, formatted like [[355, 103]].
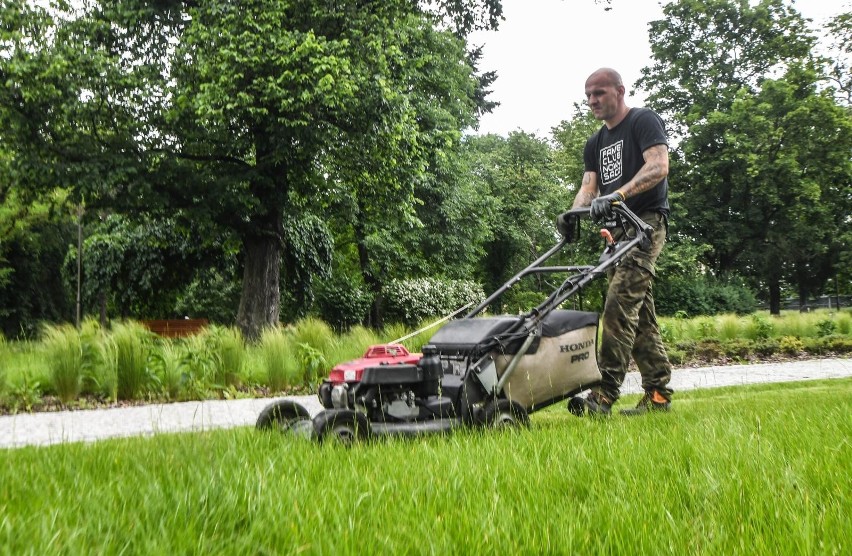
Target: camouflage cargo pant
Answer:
[[629, 323]]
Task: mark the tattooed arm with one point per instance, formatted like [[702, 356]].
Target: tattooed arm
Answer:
[[656, 168], [588, 190]]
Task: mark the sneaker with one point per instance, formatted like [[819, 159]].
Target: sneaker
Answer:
[[651, 401], [593, 405]]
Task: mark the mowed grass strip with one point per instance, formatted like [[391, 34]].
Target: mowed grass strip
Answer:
[[747, 470]]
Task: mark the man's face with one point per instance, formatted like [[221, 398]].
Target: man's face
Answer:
[[602, 97]]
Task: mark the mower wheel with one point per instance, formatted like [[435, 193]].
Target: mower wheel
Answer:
[[504, 414], [283, 415], [341, 425]]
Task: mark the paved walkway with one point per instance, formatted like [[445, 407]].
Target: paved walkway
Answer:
[[90, 425]]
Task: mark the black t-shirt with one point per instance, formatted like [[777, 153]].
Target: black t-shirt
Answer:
[[615, 155]]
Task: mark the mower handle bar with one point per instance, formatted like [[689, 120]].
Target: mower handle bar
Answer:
[[620, 209], [587, 273]]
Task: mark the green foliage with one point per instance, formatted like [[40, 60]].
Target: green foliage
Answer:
[[167, 360], [701, 295], [520, 175], [826, 327], [307, 257], [413, 301], [64, 354], [759, 328], [130, 347], [226, 349], [24, 393], [5, 358], [33, 239], [237, 118], [212, 294], [790, 345], [279, 359], [758, 184], [342, 301]]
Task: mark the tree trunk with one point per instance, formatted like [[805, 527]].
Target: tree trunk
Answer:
[[774, 298], [376, 317], [102, 310], [261, 297]]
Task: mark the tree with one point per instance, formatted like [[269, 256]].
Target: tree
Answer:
[[840, 63], [706, 51], [764, 156], [217, 113], [521, 178]]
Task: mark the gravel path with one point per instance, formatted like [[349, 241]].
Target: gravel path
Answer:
[[90, 425]]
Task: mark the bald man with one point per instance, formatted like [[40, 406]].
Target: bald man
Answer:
[[627, 161]]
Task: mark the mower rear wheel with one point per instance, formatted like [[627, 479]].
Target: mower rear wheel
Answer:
[[283, 415], [504, 414], [343, 426]]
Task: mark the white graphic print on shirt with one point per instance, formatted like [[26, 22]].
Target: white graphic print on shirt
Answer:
[[612, 162]]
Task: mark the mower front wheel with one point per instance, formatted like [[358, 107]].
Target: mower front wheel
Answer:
[[342, 426], [504, 414], [285, 416]]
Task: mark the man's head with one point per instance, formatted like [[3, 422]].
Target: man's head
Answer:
[[605, 96]]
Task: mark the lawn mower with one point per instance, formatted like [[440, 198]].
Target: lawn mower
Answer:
[[475, 371]]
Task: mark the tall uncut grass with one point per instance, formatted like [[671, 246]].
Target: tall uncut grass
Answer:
[[64, 354], [747, 470], [277, 353], [127, 362], [5, 360], [227, 350], [131, 347], [168, 364]]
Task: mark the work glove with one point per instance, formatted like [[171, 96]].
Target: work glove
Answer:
[[566, 224], [602, 206]]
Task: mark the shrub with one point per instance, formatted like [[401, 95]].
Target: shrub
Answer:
[[198, 365], [706, 328], [766, 347], [838, 344], [414, 301], [702, 295], [709, 348], [677, 357], [825, 327], [342, 301], [759, 328], [738, 348], [64, 354], [213, 294], [790, 345]]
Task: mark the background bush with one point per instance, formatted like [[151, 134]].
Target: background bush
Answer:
[[342, 301], [413, 301], [698, 295]]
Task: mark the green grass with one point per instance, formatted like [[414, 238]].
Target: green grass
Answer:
[[749, 470], [64, 353]]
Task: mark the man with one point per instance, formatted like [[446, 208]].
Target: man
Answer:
[[627, 161]]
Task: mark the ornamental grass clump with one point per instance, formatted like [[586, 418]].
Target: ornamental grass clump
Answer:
[[227, 352], [168, 364], [279, 358], [131, 343], [64, 353], [5, 357]]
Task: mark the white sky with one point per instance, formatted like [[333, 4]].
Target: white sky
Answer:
[[545, 49]]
